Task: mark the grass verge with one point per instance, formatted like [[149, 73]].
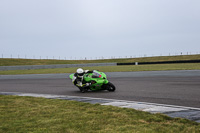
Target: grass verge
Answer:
[[15, 62], [28, 114], [127, 68]]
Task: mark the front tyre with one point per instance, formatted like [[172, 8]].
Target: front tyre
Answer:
[[110, 87]]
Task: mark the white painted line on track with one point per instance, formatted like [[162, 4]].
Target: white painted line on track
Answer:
[[146, 107], [114, 102]]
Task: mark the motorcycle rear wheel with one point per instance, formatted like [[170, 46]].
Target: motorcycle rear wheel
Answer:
[[110, 87]]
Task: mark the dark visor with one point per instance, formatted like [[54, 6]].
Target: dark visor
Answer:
[[80, 74]]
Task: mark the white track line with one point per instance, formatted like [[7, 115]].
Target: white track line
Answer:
[[144, 106]]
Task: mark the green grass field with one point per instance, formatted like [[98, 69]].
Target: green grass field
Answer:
[[40, 115], [157, 67], [15, 62], [126, 68]]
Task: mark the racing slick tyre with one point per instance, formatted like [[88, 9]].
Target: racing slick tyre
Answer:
[[110, 87]]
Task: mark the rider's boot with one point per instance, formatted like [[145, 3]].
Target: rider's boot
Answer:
[[82, 89]]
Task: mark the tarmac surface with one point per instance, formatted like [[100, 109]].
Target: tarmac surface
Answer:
[[181, 88]]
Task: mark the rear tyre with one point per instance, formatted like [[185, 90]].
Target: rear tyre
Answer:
[[110, 87]]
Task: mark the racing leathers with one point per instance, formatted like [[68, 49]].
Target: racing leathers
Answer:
[[79, 81]]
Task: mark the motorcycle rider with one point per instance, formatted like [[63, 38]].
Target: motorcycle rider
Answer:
[[79, 81]]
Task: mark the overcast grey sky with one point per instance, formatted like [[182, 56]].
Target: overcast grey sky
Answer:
[[94, 28]]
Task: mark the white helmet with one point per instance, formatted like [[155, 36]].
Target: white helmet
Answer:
[[80, 72]]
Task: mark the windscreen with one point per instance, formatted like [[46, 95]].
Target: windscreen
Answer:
[[96, 74]]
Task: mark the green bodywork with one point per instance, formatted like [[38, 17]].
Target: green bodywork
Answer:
[[96, 78]]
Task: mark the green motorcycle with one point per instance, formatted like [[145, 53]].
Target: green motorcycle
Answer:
[[96, 80]]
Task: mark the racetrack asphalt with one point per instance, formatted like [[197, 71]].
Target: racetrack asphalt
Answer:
[[181, 88]]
